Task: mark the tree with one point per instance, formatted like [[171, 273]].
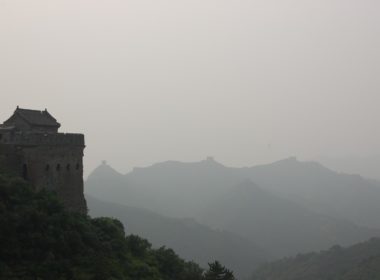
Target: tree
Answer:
[[39, 239], [218, 272]]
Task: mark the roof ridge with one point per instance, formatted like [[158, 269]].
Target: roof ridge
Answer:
[[37, 117]]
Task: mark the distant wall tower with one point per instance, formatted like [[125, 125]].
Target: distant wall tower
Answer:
[[31, 147]]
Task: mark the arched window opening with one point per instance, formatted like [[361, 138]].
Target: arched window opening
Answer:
[[25, 172], [58, 167], [47, 168], [68, 167]]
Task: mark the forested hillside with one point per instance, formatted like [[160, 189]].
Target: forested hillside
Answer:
[[40, 240], [358, 262]]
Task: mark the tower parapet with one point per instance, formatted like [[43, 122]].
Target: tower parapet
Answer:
[[37, 139]]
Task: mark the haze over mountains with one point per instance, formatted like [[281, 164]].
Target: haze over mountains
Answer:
[[282, 227], [285, 208], [249, 81], [190, 239], [183, 189], [367, 166]]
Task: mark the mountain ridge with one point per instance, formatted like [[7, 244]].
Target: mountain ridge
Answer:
[[309, 183], [189, 190]]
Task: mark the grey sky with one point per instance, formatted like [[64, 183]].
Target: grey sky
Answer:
[[245, 81]]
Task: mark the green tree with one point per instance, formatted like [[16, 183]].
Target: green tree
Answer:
[[40, 240], [193, 272], [217, 271]]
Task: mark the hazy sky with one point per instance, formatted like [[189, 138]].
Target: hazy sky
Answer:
[[245, 81]]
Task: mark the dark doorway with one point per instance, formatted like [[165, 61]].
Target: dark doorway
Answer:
[[25, 172]]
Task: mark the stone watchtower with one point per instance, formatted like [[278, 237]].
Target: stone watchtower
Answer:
[[31, 147]]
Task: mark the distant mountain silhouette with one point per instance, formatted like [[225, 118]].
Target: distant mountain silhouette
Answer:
[[367, 166], [181, 189], [188, 238], [279, 225], [338, 195], [312, 206], [169, 188]]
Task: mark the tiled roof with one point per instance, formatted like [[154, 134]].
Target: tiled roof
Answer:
[[36, 117]]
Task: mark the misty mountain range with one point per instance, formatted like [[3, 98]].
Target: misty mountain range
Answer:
[[285, 208], [190, 239], [366, 166], [282, 227]]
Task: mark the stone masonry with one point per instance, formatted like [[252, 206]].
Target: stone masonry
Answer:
[[31, 147]]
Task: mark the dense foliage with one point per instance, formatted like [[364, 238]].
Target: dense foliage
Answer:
[[217, 271], [40, 240], [358, 262]]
